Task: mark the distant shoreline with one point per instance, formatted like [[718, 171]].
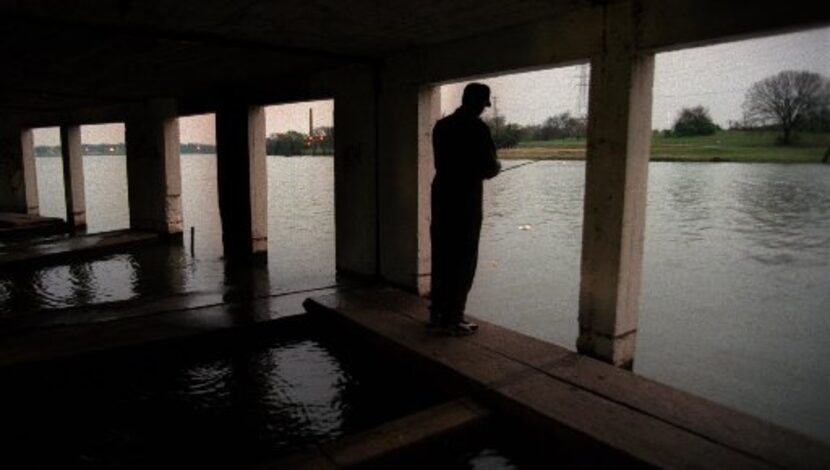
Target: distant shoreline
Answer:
[[723, 146], [182, 153]]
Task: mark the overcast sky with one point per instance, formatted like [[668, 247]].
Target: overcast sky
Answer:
[[716, 77]]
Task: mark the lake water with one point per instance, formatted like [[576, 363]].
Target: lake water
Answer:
[[736, 290]]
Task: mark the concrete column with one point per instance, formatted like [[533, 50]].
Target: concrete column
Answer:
[[73, 176], [242, 179], [355, 174], [18, 178], [619, 140], [153, 169], [407, 115]]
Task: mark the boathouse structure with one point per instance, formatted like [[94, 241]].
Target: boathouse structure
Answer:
[[146, 64], [74, 63]]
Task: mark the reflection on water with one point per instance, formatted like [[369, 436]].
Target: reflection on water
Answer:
[[737, 313], [197, 407], [736, 270], [736, 276], [300, 200], [778, 212], [103, 280]]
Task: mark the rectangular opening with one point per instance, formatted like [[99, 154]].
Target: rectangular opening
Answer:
[[527, 276], [49, 168], [105, 177], [300, 148], [736, 262]]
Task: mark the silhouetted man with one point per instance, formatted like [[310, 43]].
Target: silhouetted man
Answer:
[[464, 156]]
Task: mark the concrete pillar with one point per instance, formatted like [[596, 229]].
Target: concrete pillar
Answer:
[[242, 179], [73, 176], [407, 115], [355, 174], [18, 178], [619, 140], [153, 169]]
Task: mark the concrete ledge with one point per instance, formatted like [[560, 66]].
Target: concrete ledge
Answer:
[[368, 447], [23, 226], [176, 319], [72, 248], [561, 394]]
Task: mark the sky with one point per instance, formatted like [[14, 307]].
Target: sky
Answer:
[[716, 77]]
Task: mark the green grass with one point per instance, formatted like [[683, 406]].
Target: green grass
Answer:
[[738, 146]]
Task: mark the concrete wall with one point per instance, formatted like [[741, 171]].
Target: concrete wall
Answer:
[[73, 176], [153, 168], [18, 178], [242, 179], [407, 114], [384, 115], [355, 166], [619, 140]]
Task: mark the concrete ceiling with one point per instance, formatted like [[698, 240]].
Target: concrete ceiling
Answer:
[[60, 55]]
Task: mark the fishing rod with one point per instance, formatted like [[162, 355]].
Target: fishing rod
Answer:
[[519, 166]]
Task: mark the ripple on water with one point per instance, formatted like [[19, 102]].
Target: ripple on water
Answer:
[[103, 280]]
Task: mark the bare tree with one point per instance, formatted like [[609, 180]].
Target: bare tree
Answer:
[[786, 100]]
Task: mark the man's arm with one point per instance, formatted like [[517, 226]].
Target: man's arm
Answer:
[[491, 166]]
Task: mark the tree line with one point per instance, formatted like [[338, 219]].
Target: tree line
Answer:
[[788, 102], [319, 142], [561, 126]]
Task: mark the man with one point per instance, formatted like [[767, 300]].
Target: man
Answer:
[[464, 156]]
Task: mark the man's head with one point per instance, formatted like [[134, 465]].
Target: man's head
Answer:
[[476, 97]]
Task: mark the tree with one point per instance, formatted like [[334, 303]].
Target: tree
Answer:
[[692, 122], [787, 100], [288, 144], [504, 135], [562, 126]]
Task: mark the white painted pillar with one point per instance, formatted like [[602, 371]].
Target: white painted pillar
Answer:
[[407, 115], [153, 169], [619, 141], [242, 179], [73, 176], [18, 177], [355, 174]]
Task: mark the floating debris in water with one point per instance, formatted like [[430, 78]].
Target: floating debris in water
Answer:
[[525, 227]]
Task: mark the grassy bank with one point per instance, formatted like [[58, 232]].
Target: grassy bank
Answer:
[[737, 146]]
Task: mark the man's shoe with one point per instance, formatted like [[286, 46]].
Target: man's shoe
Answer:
[[461, 328]]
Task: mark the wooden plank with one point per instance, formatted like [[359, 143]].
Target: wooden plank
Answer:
[[457, 356], [730, 427], [405, 433], [23, 226], [651, 421], [389, 439], [55, 343], [565, 409], [524, 349], [67, 249], [719, 423]]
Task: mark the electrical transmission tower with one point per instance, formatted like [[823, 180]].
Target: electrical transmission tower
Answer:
[[582, 96]]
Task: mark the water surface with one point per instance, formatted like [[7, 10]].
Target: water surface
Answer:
[[735, 284]]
